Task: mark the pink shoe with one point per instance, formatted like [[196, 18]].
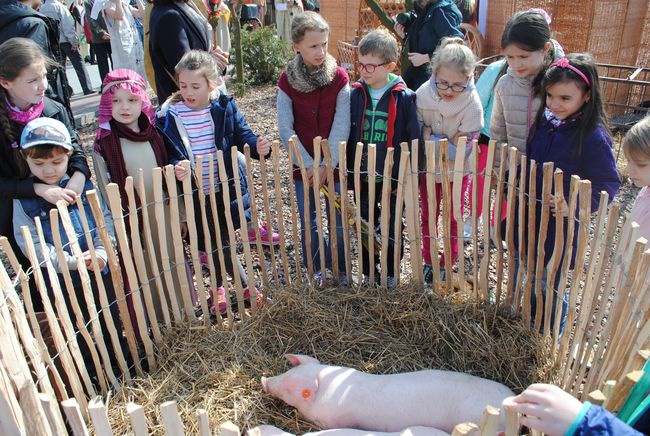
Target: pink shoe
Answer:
[[264, 236], [218, 299], [261, 299]]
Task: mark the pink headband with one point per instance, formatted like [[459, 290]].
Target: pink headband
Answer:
[[541, 12], [564, 63]]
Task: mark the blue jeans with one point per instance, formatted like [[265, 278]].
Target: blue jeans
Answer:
[[315, 253]]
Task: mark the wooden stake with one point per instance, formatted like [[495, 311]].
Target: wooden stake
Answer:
[[115, 203], [446, 211], [512, 422], [306, 224], [247, 248], [269, 217], [498, 215], [465, 428], [558, 246], [458, 201], [489, 425], [372, 175], [543, 302], [35, 418], [484, 269], [73, 414], [52, 413], [294, 215], [190, 221], [255, 221], [179, 252], [169, 410], [474, 217], [622, 390], [530, 254], [151, 251], [401, 182], [138, 256], [204, 425], [432, 202], [97, 412], [330, 200], [357, 199], [138, 420], [229, 429], [385, 217], [343, 180], [159, 208], [317, 203], [279, 210], [510, 227], [412, 220], [521, 204], [597, 397], [416, 255]]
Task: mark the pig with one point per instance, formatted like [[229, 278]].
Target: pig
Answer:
[[269, 430], [338, 397]]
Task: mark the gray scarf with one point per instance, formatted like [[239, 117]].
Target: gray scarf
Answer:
[[303, 80]]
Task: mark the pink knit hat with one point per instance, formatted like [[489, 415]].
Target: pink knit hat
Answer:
[[121, 79]]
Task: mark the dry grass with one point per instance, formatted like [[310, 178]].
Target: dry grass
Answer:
[[368, 329]]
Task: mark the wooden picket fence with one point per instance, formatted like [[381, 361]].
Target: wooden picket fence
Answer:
[[605, 340]]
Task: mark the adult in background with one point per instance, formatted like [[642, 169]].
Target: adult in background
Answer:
[[422, 30], [68, 41], [126, 47], [176, 27], [285, 10], [100, 40]]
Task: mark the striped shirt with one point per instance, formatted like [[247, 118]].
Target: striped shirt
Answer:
[[200, 132]]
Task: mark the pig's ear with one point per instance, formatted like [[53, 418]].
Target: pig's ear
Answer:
[[300, 359]]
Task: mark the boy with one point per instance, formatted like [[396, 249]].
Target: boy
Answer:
[[383, 113], [45, 146]]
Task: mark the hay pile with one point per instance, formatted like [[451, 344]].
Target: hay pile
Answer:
[[367, 329]]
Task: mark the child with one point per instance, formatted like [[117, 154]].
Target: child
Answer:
[[636, 147], [552, 411], [197, 120], [379, 97], [571, 131], [126, 142], [528, 49], [448, 106], [46, 147], [314, 100], [23, 82]]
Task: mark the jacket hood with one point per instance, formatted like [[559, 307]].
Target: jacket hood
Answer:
[[398, 85], [12, 10]]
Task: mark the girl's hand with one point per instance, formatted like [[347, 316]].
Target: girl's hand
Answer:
[[263, 146], [76, 182], [101, 263], [52, 193], [418, 59], [399, 29], [563, 209], [545, 408], [181, 172]]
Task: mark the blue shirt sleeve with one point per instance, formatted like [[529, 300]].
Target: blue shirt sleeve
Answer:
[[598, 421]]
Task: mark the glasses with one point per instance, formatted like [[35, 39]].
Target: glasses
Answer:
[[445, 86], [370, 68]]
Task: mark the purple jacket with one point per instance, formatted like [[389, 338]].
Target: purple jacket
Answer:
[[595, 162]]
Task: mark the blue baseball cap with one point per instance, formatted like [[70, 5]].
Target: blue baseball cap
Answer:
[[45, 131]]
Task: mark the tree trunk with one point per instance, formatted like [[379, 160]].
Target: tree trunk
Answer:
[[239, 61]]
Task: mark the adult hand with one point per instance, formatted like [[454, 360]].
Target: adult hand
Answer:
[[52, 193], [181, 172], [399, 29], [263, 146], [221, 57], [545, 408], [106, 37], [418, 59]]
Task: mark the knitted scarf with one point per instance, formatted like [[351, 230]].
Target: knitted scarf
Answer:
[[304, 80], [111, 150], [23, 117]]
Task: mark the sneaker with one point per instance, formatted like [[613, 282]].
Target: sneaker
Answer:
[[390, 282], [343, 280], [218, 301], [266, 238], [203, 258], [428, 274], [259, 297], [319, 279], [365, 281]]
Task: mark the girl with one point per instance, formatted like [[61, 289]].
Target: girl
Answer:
[[23, 81], [314, 100], [636, 147], [197, 120], [126, 142], [528, 49], [448, 106], [571, 131]]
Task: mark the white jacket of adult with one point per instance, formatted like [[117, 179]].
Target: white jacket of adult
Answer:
[[54, 9]]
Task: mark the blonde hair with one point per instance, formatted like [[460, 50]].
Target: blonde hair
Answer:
[[379, 43], [637, 140], [453, 53], [307, 21], [200, 61]]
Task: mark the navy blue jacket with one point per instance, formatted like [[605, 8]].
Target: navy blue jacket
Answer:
[[595, 163], [230, 130], [397, 109], [598, 421], [434, 22]]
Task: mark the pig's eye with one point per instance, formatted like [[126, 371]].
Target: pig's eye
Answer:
[[306, 393]]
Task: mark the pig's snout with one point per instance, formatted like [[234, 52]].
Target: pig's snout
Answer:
[[265, 387]]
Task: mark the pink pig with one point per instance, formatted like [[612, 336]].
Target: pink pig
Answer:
[[269, 430], [339, 397]]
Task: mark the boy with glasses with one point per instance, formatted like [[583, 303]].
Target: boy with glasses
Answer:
[[383, 113]]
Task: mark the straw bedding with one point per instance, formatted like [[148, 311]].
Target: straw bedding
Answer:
[[368, 329]]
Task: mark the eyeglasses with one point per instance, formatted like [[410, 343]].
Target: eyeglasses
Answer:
[[370, 68], [445, 86]]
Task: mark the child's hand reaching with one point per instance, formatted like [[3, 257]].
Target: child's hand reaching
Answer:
[[181, 172], [263, 146], [563, 210], [545, 408], [53, 193], [89, 265]]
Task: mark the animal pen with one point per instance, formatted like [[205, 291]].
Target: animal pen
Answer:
[[599, 356]]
